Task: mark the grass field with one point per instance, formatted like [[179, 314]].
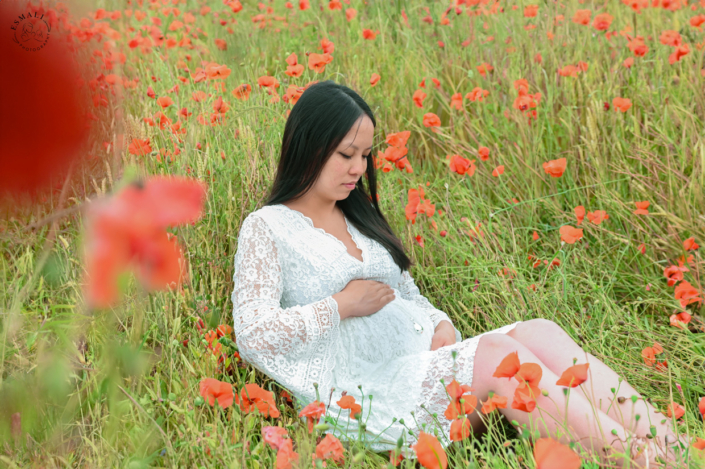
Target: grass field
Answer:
[[119, 386]]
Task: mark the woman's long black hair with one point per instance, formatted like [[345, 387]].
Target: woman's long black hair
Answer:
[[324, 113]]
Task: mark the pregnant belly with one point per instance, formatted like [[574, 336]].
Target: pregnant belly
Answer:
[[389, 333]]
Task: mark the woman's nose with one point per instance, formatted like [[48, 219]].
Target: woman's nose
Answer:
[[361, 167]]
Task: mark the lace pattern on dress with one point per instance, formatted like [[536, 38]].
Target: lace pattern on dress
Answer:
[[292, 345], [410, 291]]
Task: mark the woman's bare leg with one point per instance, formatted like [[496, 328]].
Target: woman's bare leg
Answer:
[[550, 343], [585, 423]]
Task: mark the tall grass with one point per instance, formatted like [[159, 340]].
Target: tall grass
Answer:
[[117, 387]]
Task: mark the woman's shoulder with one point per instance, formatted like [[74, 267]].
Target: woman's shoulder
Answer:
[[264, 212], [269, 214]]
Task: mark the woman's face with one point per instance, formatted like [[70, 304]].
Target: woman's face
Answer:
[[348, 162]]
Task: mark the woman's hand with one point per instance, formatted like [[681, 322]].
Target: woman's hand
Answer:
[[362, 298], [443, 335]]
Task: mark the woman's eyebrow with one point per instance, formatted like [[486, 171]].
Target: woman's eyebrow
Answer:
[[368, 148]]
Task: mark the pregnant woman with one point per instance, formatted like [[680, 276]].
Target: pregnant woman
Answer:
[[322, 294]]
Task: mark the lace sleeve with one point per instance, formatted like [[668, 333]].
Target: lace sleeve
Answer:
[[275, 340], [409, 291]]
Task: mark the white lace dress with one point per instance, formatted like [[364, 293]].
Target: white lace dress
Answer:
[[287, 325]]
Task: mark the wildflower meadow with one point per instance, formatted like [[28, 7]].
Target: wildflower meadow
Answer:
[[537, 158]]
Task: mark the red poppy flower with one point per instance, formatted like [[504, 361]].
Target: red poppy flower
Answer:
[[461, 165], [574, 376], [529, 374], [525, 398], [598, 216], [398, 139], [460, 429], [313, 413], [687, 294], [212, 389], [690, 244], [680, 319], [253, 396], [374, 79], [582, 17], [579, 214], [550, 454], [330, 447], [165, 101], [130, 229], [348, 402], [456, 390], [674, 274], [456, 101], [431, 120], [555, 167], [456, 408], [243, 91], [602, 21], [429, 452], [494, 402], [43, 121], [621, 104], [569, 234], [670, 37], [274, 436], [508, 367], [642, 208], [286, 455], [530, 11], [139, 147], [676, 410], [483, 153], [369, 34], [650, 354], [418, 98]]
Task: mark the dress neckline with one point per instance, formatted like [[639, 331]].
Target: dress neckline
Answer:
[[325, 233]]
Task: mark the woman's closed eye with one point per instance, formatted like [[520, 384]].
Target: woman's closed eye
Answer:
[[347, 157]]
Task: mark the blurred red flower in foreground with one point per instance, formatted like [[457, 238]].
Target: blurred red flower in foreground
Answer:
[[550, 454], [429, 452], [130, 228], [42, 120]]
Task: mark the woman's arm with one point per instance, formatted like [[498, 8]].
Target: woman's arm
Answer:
[[409, 291], [269, 336]]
